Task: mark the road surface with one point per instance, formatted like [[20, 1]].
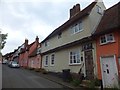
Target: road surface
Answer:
[[22, 78]]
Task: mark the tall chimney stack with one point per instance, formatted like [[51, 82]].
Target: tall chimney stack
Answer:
[[26, 43], [77, 8], [74, 10], [37, 39]]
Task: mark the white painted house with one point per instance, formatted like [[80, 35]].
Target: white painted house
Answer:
[[70, 46]]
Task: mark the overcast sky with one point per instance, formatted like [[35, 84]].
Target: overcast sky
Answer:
[[30, 18]]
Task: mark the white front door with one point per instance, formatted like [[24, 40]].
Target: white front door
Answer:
[[109, 72]]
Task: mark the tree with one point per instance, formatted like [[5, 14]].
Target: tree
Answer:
[[3, 37]]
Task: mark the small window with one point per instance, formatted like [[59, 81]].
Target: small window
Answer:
[[76, 28], [46, 43], [52, 60], [110, 37], [59, 35], [99, 10], [106, 38], [46, 61], [103, 39], [75, 57]]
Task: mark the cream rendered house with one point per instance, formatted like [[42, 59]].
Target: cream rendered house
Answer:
[[70, 46]]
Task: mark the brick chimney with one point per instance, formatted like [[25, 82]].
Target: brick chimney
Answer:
[[37, 39], [26, 43], [74, 10]]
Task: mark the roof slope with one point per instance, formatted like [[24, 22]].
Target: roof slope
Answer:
[[34, 53], [81, 14], [110, 20]]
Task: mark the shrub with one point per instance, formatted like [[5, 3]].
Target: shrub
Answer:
[[93, 83], [76, 82], [43, 71], [37, 69]]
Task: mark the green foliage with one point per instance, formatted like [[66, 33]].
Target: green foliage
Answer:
[[93, 83], [76, 82], [3, 37]]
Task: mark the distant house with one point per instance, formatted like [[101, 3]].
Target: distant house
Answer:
[[23, 55], [107, 37], [34, 60], [70, 46]]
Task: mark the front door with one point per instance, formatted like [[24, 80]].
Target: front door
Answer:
[[89, 65], [109, 72]]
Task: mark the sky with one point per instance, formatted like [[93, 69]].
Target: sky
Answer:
[[26, 19]]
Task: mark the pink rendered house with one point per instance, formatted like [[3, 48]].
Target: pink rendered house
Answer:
[[34, 60], [23, 55]]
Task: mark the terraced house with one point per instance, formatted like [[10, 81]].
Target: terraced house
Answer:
[[70, 46], [107, 37]]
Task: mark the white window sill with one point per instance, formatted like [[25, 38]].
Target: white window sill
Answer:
[[45, 65], [52, 65], [75, 64], [77, 32], [107, 43]]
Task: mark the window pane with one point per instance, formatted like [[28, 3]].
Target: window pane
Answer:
[[103, 39], [46, 61], [74, 57], [52, 59], [109, 37], [80, 26]]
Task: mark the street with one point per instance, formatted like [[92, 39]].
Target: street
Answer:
[[22, 78]]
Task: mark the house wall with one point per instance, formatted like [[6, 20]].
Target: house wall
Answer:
[[119, 49], [95, 17], [106, 50], [62, 61], [25, 64], [21, 58], [89, 24], [34, 62], [94, 58]]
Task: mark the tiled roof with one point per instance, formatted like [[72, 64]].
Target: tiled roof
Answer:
[[30, 45], [34, 53], [110, 20], [81, 14]]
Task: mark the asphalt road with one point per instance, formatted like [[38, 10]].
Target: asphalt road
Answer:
[[21, 78]]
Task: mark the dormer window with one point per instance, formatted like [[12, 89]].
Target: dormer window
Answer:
[[76, 28], [99, 10]]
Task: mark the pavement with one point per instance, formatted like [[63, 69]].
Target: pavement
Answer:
[[57, 80], [26, 79]]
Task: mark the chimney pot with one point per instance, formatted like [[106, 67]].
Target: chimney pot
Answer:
[[77, 8], [37, 39], [26, 42]]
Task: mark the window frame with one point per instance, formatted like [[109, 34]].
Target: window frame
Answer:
[[46, 59], [52, 59], [99, 10], [60, 35], [77, 27], [106, 39], [46, 43], [75, 57]]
